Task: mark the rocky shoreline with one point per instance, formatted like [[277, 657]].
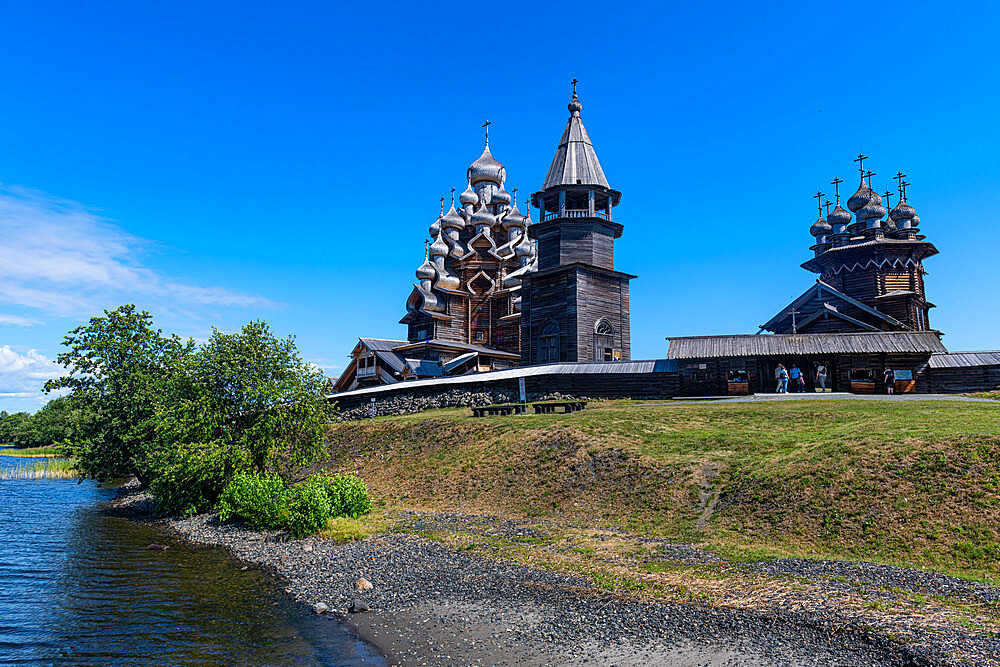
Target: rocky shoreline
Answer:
[[434, 605]]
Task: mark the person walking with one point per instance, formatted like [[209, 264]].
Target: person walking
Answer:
[[889, 378], [782, 380], [777, 379], [821, 376], [794, 375]]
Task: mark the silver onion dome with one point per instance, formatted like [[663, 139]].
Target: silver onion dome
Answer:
[[426, 270], [523, 249], [860, 198], [873, 210], [439, 248], [452, 220], [482, 217], [486, 168], [839, 216], [469, 197], [915, 221], [501, 196], [820, 227], [513, 219], [574, 106], [435, 227], [902, 211]]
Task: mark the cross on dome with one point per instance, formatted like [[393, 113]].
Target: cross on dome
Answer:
[[836, 183]]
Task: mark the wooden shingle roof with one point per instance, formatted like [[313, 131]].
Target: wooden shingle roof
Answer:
[[965, 359], [704, 347]]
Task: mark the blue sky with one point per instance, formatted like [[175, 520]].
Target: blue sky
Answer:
[[220, 162]]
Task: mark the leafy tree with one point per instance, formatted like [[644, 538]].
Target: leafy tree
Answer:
[[118, 368], [252, 396], [12, 426]]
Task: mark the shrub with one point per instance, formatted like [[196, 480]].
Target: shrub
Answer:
[[348, 494], [259, 499], [309, 508], [189, 478], [265, 501]]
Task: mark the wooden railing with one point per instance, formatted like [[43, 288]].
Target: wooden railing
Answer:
[[366, 372], [575, 213]]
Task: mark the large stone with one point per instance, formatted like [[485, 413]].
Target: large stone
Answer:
[[320, 608], [363, 585], [357, 606]]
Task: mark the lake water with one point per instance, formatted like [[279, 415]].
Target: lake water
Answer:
[[79, 587]]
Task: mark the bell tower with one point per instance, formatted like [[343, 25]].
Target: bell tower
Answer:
[[575, 306]]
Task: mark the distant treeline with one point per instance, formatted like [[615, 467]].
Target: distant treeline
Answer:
[[54, 424]]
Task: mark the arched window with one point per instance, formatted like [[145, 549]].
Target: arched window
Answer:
[[604, 341], [548, 343]]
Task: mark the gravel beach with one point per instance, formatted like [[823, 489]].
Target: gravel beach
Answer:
[[432, 605]]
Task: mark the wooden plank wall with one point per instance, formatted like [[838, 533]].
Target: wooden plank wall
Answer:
[[964, 380]]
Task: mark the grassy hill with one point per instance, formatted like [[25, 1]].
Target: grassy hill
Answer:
[[913, 483]]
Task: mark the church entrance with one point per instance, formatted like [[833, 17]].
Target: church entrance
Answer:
[[604, 341]]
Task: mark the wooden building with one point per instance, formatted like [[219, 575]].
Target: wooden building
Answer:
[[377, 361], [575, 306], [726, 365]]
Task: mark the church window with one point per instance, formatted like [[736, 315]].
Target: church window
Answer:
[[548, 344], [480, 336]]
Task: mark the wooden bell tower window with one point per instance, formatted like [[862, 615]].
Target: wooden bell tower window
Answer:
[[548, 344]]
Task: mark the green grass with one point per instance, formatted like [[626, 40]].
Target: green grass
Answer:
[[348, 529], [911, 483], [32, 452]]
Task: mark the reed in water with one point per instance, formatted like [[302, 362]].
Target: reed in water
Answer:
[[48, 469]]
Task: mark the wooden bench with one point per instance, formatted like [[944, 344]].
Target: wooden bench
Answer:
[[492, 410], [567, 407]]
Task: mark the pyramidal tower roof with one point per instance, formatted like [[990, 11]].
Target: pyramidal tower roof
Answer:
[[575, 161]]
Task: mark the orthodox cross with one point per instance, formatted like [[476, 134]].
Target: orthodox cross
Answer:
[[426, 244], [903, 186], [793, 313], [487, 126], [887, 196], [827, 204], [836, 183], [819, 199], [453, 197], [574, 82], [514, 194], [899, 185], [861, 163], [442, 202], [868, 174]]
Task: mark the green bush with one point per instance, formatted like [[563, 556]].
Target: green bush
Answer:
[[265, 501], [260, 500], [189, 478], [348, 494], [308, 508]]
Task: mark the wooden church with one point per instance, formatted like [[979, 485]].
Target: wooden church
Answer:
[[496, 290], [871, 272]]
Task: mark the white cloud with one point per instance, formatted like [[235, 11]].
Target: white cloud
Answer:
[[22, 375], [17, 320], [61, 258]]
